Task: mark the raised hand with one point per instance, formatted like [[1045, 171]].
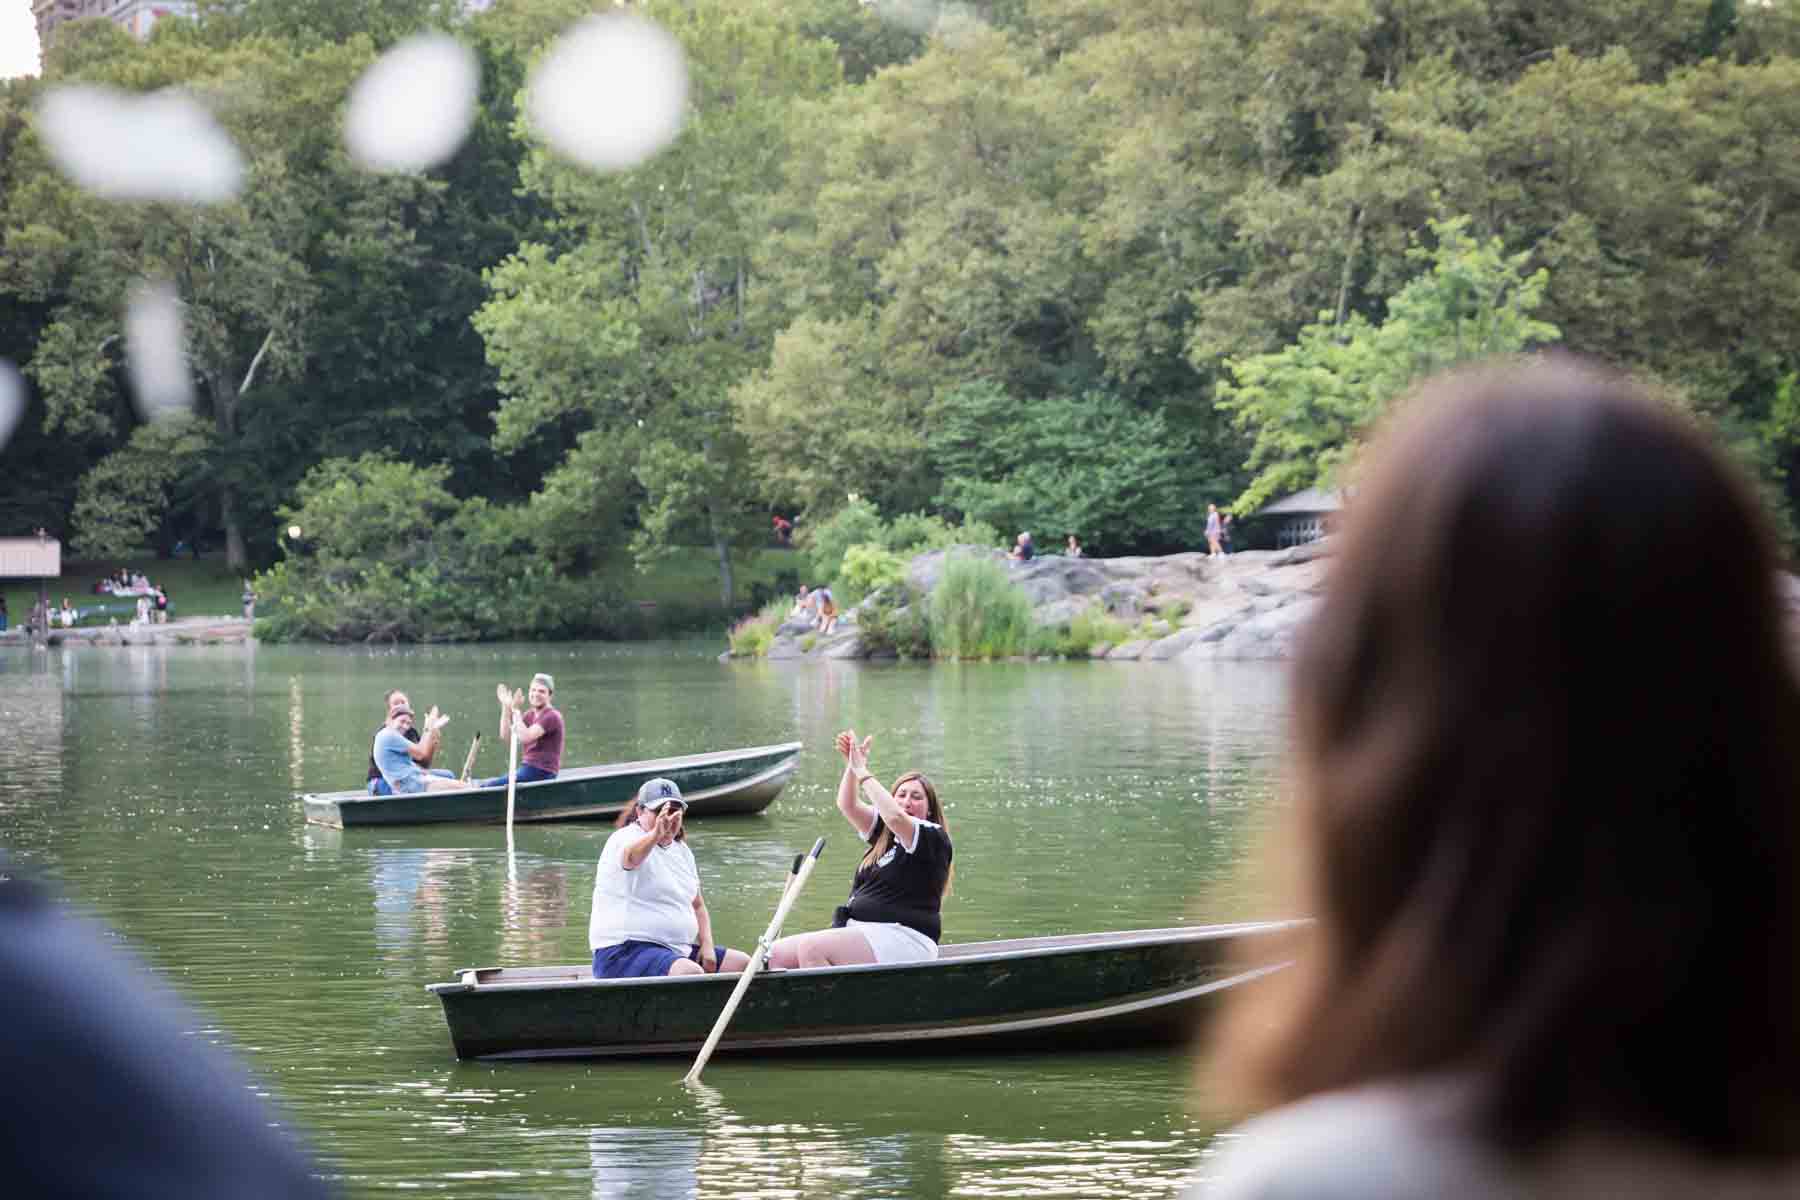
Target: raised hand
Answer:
[[434, 720], [858, 752], [501, 694], [845, 743]]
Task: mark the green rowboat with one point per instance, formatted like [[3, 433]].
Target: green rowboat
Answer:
[[1069, 992], [726, 781]]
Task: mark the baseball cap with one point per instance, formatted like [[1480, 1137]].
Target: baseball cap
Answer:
[[547, 681], [657, 792]]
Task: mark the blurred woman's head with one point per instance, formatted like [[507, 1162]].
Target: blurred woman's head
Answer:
[[1546, 776]]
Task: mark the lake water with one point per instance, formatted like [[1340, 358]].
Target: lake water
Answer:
[[157, 788]]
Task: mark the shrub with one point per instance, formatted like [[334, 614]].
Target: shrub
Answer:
[[1091, 627], [857, 523], [902, 629], [868, 568], [978, 612], [752, 636], [916, 533]]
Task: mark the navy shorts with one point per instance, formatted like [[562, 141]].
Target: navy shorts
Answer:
[[633, 960]]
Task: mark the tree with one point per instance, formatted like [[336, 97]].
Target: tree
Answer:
[[143, 492], [1087, 464], [253, 274], [638, 328], [1307, 406]]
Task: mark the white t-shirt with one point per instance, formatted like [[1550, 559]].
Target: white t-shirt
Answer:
[[654, 903]]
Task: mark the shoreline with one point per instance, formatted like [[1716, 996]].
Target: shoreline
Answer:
[[183, 631]]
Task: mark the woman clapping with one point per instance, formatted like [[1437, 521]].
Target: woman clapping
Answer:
[[892, 913]]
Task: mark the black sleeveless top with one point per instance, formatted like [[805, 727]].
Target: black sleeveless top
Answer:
[[906, 889]]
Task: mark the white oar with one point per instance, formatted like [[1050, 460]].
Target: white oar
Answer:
[[803, 866], [512, 770]]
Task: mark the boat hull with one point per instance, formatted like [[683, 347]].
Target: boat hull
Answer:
[[1093, 991], [727, 782]]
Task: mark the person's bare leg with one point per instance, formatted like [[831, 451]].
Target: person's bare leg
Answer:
[[821, 948], [735, 960], [685, 966], [437, 783]]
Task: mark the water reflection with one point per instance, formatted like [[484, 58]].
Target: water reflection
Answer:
[[535, 909], [159, 784], [644, 1163]]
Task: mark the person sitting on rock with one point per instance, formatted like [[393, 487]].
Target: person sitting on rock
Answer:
[[1023, 550], [827, 610], [1073, 549]]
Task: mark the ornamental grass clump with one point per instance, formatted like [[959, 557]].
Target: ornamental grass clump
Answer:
[[978, 612], [1094, 626], [752, 636]]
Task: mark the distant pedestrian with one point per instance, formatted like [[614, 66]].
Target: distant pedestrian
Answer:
[[1225, 532], [1214, 529], [784, 531], [3, 616], [162, 605], [67, 615], [249, 601]]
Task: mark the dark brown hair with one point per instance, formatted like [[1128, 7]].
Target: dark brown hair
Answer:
[[881, 837], [1546, 779]]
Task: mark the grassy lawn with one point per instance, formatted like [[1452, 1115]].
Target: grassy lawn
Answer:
[[690, 576], [196, 589]]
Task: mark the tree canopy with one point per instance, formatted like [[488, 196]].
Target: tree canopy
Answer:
[[1071, 264]]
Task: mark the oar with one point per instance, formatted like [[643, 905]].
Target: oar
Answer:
[[469, 762], [803, 866], [512, 768]]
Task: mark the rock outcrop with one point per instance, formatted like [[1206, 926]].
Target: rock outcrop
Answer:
[[1245, 606]]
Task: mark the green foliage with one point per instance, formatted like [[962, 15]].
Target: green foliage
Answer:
[[1094, 626], [135, 495], [917, 533], [977, 612], [1085, 464], [826, 543], [1308, 405], [752, 636], [868, 568], [899, 626]]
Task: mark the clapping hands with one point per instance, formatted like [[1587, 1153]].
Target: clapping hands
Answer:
[[856, 754], [435, 720]]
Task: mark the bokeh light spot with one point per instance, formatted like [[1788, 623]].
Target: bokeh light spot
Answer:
[[611, 92], [414, 106], [160, 146]]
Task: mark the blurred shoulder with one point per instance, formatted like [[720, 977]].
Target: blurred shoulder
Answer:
[[1392, 1142]]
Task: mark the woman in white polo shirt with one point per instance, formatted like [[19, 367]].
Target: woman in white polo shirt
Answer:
[[649, 917], [893, 911]]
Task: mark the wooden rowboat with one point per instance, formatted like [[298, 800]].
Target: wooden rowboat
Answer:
[[1067, 992], [726, 781]]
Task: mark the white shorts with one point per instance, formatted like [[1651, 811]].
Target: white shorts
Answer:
[[895, 943]]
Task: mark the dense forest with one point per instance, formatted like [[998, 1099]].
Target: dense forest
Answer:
[[1068, 265]]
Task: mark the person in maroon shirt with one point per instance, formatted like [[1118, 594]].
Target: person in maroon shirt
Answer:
[[540, 732]]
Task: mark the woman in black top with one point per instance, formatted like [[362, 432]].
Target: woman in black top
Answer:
[[892, 913]]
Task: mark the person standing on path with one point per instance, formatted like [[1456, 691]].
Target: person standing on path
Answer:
[[249, 601], [1214, 528], [1225, 533]]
